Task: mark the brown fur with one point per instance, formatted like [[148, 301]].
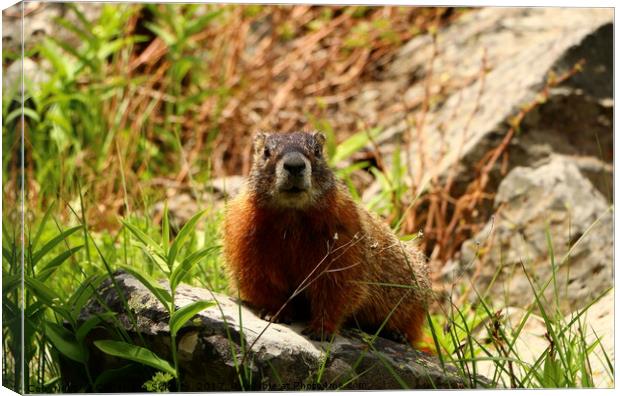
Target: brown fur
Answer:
[[271, 250]]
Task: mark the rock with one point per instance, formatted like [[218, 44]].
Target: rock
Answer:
[[226, 187], [597, 324], [211, 347], [521, 48], [599, 321], [35, 74], [556, 197], [183, 205], [39, 22]]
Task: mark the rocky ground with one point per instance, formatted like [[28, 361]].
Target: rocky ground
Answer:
[[280, 358]]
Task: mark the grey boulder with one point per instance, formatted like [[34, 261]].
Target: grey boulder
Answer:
[[213, 345]]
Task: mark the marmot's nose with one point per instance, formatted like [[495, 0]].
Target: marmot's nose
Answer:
[[294, 164]]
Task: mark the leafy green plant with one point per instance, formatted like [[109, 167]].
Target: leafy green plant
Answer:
[[166, 256], [389, 201], [176, 25], [159, 382], [66, 110], [49, 317]]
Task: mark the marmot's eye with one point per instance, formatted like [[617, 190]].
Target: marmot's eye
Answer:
[[266, 152], [318, 151]]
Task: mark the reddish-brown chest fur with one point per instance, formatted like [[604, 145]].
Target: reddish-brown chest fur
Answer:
[[279, 248]]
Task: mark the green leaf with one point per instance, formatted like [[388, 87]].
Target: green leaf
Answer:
[[549, 372], [385, 183], [156, 258], [87, 25], [34, 310], [66, 344], [50, 267], [82, 294], [182, 236], [73, 51], [346, 171], [352, 145], [28, 112], [50, 52], [41, 291], [52, 243], [113, 47], [181, 271], [84, 34], [158, 291], [145, 239], [180, 317], [46, 296], [409, 237], [50, 383], [9, 255], [198, 24], [168, 38], [89, 324], [135, 354], [10, 282]]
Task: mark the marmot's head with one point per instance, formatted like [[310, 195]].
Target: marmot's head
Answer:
[[289, 170]]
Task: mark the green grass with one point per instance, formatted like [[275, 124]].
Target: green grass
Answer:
[[466, 336]]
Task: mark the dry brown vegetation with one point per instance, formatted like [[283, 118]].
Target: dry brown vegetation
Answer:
[[282, 67], [180, 103]]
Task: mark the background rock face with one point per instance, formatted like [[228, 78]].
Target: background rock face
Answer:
[[558, 167], [212, 345], [516, 49], [555, 198]]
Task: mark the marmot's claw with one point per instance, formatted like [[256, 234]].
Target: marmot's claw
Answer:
[[316, 335], [271, 317]]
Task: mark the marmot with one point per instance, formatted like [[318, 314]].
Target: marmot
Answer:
[[295, 230]]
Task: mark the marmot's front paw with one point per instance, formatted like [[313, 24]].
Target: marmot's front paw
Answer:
[[269, 316]]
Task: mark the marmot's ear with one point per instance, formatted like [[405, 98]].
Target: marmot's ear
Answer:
[[319, 137], [259, 142]]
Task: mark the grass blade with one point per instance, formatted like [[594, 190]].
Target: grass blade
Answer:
[[165, 229], [43, 223], [46, 296], [53, 265], [52, 243]]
